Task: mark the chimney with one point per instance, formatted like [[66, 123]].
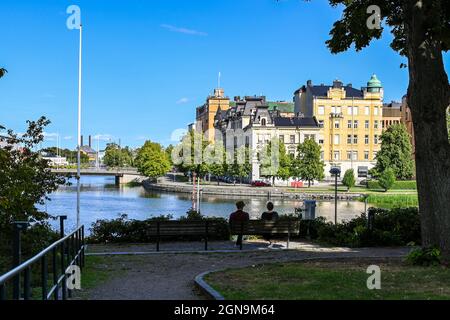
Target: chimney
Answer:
[[81, 141], [90, 141]]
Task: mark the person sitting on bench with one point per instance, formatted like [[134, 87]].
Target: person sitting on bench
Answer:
[[239, 216], [269, 215]]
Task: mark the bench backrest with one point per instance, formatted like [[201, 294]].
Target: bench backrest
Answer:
[[257, 227], [175, 228]]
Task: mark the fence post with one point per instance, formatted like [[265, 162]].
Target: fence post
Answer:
[[18, 227]]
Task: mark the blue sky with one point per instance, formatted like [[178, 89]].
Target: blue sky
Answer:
[[148, 64]]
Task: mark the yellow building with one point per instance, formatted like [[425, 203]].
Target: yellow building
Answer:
[[205, 114], [351, 121]]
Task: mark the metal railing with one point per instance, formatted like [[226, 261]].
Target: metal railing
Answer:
[[58, 257]]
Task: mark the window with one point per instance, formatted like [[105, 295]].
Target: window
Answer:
[[321, 110], [320, 123], [367, 110], [336, 124], [336, 155], [355, 124], [375, 124], [366, 139], [375, 139], [375, 111], [349, 124], [355, 139], [366, 124], [349, 139], [282, 138], [337, 139], [292, 138], [366, 155]]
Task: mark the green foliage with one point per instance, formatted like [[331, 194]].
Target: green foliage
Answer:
[[26, 180], [70, 155], [115, 156], [395, 152], [2, 72], [387, 179], [398, 185], [308, 165], [395, 227], [124, 230], [349, 179], [152, 160], [424, 257]]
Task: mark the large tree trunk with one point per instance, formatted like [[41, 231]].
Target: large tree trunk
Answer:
[[428, 98]]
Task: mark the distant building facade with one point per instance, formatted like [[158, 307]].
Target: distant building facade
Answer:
[[350, 120], [251, 122], [392, 114]]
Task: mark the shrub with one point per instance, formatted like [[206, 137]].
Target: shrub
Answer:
[[124, 230], [349, 179], [387, 179], [390, 228], [424, 257]]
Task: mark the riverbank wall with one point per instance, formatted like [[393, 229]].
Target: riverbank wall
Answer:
[[246, 191]]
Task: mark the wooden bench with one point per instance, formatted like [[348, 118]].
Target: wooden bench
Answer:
[[261, 227], [203, 228]]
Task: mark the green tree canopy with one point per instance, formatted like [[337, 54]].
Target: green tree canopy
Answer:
[[387, 179], [26, 179], [349, 179], [395, 152], [152, 160], [308, 166], [115, 156]]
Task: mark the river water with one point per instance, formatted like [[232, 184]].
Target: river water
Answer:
[[101, 199]]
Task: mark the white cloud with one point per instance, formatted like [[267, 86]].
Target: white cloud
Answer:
[[183, 100], [183, 30]]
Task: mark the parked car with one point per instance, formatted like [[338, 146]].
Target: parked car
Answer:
[[259, 183]]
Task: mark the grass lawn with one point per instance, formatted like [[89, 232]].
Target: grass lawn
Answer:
[[331, 280]]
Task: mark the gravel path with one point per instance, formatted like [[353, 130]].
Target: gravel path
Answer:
[[167, 276]]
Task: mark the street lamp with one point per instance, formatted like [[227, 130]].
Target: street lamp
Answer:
[[336, 172]]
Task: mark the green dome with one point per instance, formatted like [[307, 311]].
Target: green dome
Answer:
[[374, 82]]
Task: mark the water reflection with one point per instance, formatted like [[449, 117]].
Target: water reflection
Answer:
[[101, 199]]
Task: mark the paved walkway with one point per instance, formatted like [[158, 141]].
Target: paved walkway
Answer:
[[171, 276]]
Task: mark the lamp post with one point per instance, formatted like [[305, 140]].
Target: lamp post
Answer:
[[335, 171]]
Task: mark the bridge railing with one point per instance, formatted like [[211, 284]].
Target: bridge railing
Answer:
[[58, 257]]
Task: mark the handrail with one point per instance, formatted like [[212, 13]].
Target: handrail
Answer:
[[17, 270]]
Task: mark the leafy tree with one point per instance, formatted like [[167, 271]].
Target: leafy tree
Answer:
[[190, 153], [238, 169], [395, 152], [308, 165], [2, 72], [387, 179], [115, 156], [70, 155], [420, 32], [152, 160], [349, 179], [26, 181]]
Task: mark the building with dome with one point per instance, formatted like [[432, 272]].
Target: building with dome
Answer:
[[351, 122]]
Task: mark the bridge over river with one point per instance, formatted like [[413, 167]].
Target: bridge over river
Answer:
[[122, 175]]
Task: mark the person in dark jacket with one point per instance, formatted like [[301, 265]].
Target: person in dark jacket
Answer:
[[269, 215], [239, 216]]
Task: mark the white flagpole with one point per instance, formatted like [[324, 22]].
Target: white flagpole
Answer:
[[79, 130]]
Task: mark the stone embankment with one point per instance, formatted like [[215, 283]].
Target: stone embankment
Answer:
[[245, 191]]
